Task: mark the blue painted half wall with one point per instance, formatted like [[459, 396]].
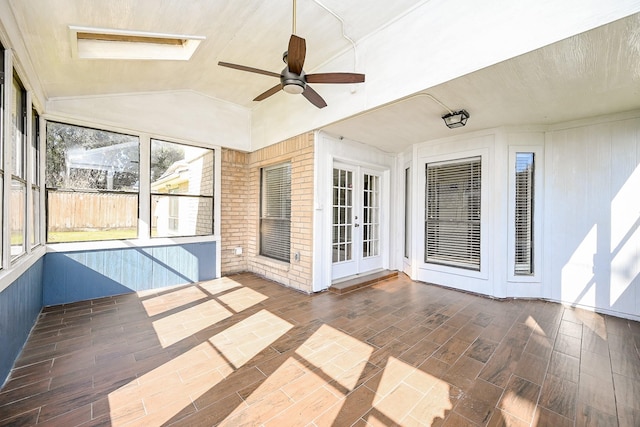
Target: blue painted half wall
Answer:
[[20, 305], [81, 275]]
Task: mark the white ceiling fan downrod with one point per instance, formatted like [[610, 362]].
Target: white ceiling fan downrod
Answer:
[[293, 29]]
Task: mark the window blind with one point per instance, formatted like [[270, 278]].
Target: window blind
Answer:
[[275, 212], [524, 214], [407, 213], [452, 213]]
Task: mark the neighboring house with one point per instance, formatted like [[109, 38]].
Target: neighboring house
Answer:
[[531, 199], [177, 216]]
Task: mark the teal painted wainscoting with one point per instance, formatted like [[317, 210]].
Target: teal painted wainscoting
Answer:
[[20, 305], [81, 275]]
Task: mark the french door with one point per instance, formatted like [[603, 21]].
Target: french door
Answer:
[[356, 220]]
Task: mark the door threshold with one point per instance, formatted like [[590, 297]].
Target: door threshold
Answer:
[[358, 281]]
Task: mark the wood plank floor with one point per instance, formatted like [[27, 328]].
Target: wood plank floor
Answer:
[[242, 350]]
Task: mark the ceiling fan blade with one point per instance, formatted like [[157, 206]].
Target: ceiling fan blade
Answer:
[[335, 78], [313, 97], [296, 53], [269, 92], [249, 69]]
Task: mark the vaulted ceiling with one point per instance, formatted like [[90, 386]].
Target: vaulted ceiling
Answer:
[[593, 73], [249, 32]]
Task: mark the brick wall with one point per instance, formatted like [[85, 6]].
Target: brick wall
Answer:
[[234, 215], [241, 204]]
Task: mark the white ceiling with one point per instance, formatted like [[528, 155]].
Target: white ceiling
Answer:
[[588, 75], [595, 73], [248, 32]]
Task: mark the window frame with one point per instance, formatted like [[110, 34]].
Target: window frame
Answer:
[[143, 239], [476, 224], [538, 199], [5, 67], [175, 196], [408, 210], [35, 176], [19, 169], [524, 259], [100, 191], [263, 215], [12, 267], [429, 271]]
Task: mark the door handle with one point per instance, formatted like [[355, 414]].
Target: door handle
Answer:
[[356, 225]]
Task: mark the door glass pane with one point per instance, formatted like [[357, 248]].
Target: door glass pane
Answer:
[[342, 209], [370, 216]]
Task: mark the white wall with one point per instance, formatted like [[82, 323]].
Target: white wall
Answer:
[[586, 214], [592, 214], [185, 115]]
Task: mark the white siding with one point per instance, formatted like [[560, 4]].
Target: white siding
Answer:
[[592, 216], [587, 213]]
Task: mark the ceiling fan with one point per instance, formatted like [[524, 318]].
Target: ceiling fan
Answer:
[[293, 79]]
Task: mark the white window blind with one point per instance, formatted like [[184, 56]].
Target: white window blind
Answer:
[[407, 213], [452, 212], [524, 193], [275, 212]]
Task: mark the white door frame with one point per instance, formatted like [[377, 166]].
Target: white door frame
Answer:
[[355, 227]]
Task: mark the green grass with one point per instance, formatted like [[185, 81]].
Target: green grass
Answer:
[[87, 236]]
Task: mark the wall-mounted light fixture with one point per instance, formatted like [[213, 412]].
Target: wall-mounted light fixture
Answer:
[[456, 119]]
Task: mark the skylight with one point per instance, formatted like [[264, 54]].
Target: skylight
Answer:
[[105, 43]]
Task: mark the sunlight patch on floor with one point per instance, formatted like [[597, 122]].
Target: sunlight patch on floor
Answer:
[[184, 323], [218, 286], [405, 393], [519, 406], [241, 299], [534, 326], [244, 340], [336, 354], [188, 376], [172, 300]]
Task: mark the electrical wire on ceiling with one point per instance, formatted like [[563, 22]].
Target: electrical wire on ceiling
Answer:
[[434, 99], [344, 34], [401, 100]]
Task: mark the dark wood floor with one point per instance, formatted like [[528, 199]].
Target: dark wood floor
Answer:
[[245, 351]]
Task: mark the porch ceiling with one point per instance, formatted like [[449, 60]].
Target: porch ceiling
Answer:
[[594, 73], [591, 74], [248, 32]]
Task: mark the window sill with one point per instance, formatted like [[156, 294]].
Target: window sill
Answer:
[[271, 262], [124, 244], [20, 266]]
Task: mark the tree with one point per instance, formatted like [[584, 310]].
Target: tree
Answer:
[[123, 161], [163, 155]]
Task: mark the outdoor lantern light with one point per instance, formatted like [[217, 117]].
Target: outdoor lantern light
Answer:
[[456, 119]]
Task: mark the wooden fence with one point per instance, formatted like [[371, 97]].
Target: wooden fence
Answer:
[[91, 211]]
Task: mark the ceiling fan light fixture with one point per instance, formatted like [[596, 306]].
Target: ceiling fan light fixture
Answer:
[[293, 88], [456, 119]]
